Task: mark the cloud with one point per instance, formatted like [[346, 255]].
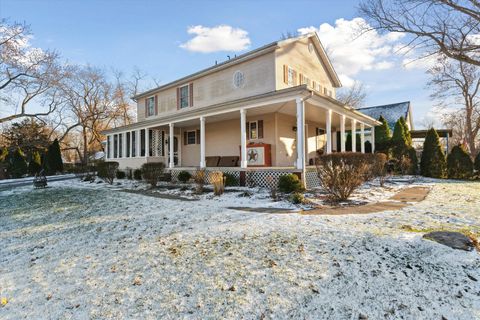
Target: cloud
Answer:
[[218, 38], [352, 53]]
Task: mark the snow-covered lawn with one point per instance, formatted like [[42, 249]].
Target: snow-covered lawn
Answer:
[[79, 250]]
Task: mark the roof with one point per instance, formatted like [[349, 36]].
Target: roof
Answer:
[[247, 56], [443, 133], [391, 112]]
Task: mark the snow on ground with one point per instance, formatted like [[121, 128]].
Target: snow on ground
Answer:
[[80, 250]]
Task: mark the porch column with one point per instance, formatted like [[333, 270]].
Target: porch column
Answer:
[[243, 138], [147, 143], [300, 134], [342, 133], [171, 163], [329, 131], [202, 142], [354, 135], [124, 145], [372, 130], [138, 143], [362, 137]]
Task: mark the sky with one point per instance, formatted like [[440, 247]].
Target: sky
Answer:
[[171, 39]]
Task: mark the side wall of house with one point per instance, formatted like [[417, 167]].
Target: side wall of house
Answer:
[[218, 87]]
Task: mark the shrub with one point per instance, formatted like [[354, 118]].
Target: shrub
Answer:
[[199, 178], [230, 180], [378, 168], [459, 163], [477, 162], [107, 171], [152, 171], [399, 142], [433, 163], [297, 198], [382, 136], [216, 178], [290, 183], [53, 159], [35, 164], [18, 165], [121, 174], [137, 174], [184, 176], [341, 173]]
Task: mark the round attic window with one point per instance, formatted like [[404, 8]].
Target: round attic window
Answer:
[[238, 79], [310, 47]]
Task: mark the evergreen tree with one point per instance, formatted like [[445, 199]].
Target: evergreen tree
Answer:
[[382, 136], [477, 162], [3, 154], [54, 161], [399, 140], [433, 163], [412, 155], [35, 164], [406, 131], [459, 163], [17, 164]]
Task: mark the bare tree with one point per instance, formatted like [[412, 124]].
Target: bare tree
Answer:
[[27, 74], [457, 84], [353, 96], [449, 27]]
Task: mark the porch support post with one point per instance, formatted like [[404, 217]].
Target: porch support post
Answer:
[[354, 135], [329, 131], [372, 132], [362, 137], [342, 133], [147, 142], [139, 144], [202, 142], [300, 134], [243, 139], [124, 144], [171, 163]]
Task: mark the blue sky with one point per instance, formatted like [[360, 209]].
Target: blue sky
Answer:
[[123, 34]]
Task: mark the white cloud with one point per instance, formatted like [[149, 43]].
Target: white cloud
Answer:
[[218, 38], [352, 53]]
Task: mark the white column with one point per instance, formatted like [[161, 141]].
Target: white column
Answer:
[[171, 163], [138, 144], [243, 138], [328, 128], [147, 143], [202, 142], [362, 137], [354, 135], [300, 134], [373, 138], [124, 144], [342, 133]]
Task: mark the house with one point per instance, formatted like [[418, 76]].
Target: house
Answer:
[[266, 112], [391, 112]]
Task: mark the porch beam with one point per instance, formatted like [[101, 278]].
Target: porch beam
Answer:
[[300, 134], [354, 135], [362, 137], [329, 130], [243, 138], [202, 143], [342, 133], [171, 163]]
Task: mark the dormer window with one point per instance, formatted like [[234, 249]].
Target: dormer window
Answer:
[[185, 96]]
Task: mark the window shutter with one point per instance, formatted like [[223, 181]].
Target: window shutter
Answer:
[[156, 104], [294, 77], [190, 94], [185, 138], [260, 129], [248, 130], [314, 85], [146, 107], [301, 78], [198, 136], [178, 98], [285, 74]]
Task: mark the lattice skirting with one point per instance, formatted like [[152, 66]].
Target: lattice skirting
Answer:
[[311, 178], [230, 171]]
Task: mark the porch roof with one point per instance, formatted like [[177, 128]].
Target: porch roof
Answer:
[[284, 95]]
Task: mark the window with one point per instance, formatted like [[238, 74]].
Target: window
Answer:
[[291, 76], [150, 106], [320, 131], [184, 96], [238, 79], [134, 144], [120, 144], [142, 143], [325, 91], [191, 137], [255, 129], [128, 145], [115, 146]]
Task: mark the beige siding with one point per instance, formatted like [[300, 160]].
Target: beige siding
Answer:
[[297, 56]]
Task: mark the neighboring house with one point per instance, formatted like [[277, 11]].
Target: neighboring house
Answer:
[[242, 114], [391, 112]]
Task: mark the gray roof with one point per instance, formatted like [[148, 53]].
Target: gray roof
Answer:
[[391, 112]]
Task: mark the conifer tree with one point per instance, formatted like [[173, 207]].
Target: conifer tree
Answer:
[[406, 131], [54, 161], [35, 164], [433, 163], [382, 136], [399, 140], [17, 165], [459, 163]]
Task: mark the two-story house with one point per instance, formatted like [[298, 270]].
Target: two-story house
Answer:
[[267, 111]]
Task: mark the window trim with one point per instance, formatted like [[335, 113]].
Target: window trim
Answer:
[[152, 106], [187, 97], [194, 137], [290, 72], [250, 131]]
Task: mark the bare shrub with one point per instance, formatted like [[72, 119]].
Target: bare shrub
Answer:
[[107, 171], [199, 178], [216, 178], [152, 172], [379, 168]]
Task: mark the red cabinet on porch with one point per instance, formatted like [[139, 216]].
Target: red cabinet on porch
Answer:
[[259, 155]]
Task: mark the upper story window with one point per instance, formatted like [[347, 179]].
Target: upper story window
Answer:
[[185, 96], [150, 106], [238, 79], [291, 76]]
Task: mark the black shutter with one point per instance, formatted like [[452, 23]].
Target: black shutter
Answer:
[[260, 129], [248, 130], [185, 138], [198, 136]]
